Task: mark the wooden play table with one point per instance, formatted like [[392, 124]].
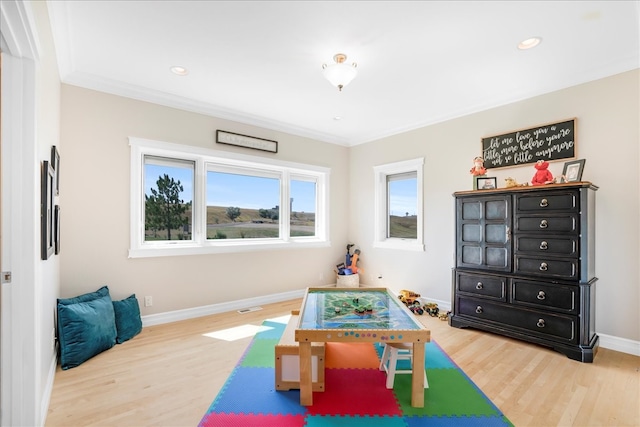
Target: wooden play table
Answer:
[[358, 315]]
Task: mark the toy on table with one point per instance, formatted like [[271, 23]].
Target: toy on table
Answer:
[[542, 176]]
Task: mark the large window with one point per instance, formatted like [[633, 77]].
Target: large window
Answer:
[[186, 200], [168, 193], [398, 205]]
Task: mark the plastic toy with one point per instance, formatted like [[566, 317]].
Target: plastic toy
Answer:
[[408, 297], [350, 262], [542, 176], [478, 168], [510, 182], [416, 309], [432, 309]]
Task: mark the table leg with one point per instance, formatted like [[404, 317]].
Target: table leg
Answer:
[[417, 380], [306, 386]]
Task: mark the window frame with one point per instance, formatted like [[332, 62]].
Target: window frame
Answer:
[[203, 159], [381, 213]]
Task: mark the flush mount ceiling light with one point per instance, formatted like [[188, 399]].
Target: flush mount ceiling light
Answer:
[[529, 43], [340, 73], [181, 71]]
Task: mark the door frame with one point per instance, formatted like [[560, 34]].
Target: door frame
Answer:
[[20, 402]]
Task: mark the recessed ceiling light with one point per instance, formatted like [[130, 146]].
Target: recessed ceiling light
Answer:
[[181, 71], [529, 43]]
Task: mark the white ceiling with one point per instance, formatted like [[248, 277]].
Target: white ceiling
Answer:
[[419, 62]]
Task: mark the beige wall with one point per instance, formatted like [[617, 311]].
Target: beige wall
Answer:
[[47, 283], [95, 221], [608, 126], [95, 184]]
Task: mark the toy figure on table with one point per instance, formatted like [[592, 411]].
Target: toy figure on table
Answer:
[[542, 176]]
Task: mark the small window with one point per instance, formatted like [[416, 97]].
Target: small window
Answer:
[[402, 202], [398, 205]]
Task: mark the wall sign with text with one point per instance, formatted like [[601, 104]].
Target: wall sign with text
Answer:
[[230, 138], [547, 142]]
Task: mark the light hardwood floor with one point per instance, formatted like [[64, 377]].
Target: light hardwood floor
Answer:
[[169, 375]]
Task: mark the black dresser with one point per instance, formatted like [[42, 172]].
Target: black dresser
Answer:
[[525, 265]]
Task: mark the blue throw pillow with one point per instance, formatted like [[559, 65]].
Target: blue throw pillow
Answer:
[[128, 322], [86, 327]]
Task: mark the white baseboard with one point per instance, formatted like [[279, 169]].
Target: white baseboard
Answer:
[[191, 313], [48, 389], [606, 341], [623, 345]]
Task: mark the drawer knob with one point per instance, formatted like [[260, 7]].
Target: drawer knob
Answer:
[[544, 223], [541, 295], [544, 246], [479, 285], [544, 266], [544, 203], [540, 323], [479, 309]]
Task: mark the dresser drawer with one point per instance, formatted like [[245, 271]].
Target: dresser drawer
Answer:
[[557, 327], [558, 223], [538, 203], [482, 285], [562, 246], [562, 298], [561, 268]]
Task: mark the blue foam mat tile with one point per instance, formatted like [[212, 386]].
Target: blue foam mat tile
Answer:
[[274, 333], [260, 397]]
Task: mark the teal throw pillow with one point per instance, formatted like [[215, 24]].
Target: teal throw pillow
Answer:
[[86, 327], [103, 291], [128, 321]]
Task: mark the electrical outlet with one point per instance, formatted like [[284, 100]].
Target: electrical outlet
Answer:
[[148, 301]]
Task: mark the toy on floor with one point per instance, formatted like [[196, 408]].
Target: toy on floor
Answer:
[[350, 265], [444, 316], [408, 297], [542, 176], [411, 300], [432, 309]]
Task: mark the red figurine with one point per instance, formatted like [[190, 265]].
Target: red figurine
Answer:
[[542, 176]]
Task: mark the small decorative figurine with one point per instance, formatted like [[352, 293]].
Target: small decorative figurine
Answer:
[[510, 182], [478, 168], [542, 176]]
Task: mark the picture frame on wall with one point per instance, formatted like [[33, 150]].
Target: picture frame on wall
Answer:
[[47, 210], [230, 138], [56, 229], [572, 171], [55, 164], [486, 183]]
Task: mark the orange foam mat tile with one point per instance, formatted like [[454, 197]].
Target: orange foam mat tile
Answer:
[[351, 356]]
